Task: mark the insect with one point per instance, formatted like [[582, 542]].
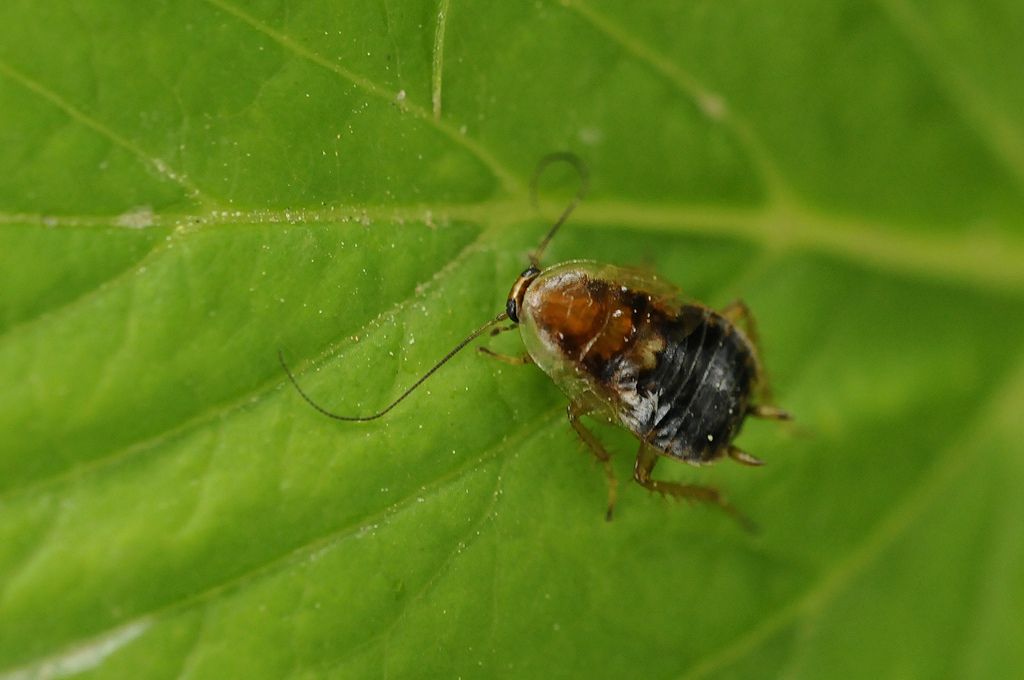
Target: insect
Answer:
[[625, 348]]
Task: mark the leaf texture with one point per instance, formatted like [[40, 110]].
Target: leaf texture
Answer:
[[189, 186]]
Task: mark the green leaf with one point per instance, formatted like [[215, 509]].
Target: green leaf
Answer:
[[189, 186]]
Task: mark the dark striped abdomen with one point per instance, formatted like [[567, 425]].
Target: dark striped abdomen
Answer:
[[699, 386]]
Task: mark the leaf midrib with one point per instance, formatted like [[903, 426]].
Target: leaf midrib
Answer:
[[984, 261], [769, 225], [783, 198]]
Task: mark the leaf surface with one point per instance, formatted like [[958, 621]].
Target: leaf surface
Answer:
[[190, 186]]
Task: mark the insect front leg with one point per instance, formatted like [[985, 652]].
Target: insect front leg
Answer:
[[505, 358], [523, 360], [498, 330], [574, 411], [647, 458]]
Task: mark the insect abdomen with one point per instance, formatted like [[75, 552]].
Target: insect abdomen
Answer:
[[699, 386]]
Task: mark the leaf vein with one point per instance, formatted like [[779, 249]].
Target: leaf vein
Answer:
[[437, 58], [710, 103], [246, 400], [1001, 136], [509, 181], [471, 535], [159, 166], [323, 542]]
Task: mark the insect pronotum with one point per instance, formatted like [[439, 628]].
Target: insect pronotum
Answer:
[[622, 345]]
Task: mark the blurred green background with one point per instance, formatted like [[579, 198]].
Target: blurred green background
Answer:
[[187, 186]]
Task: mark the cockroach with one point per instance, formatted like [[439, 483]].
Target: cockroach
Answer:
[[625, 348]]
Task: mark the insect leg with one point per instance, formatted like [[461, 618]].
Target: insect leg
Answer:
[[769, 412], [739, 314], [646, 458], [574, 411], [498, 330], [508, 359], [741, 456]]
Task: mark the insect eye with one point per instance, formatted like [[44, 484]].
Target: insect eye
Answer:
[[510, 309]]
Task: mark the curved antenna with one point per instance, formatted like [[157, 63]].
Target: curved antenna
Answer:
[[581, 169], [472, 336]]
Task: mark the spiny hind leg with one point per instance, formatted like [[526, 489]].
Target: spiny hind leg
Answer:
[[523, 360], [574, 411], [647, 458]]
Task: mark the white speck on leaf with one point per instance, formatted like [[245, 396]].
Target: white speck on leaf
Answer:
[[591, 136], [713, 105]]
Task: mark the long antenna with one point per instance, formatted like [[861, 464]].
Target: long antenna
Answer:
[[472, 336], [581, 169]]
